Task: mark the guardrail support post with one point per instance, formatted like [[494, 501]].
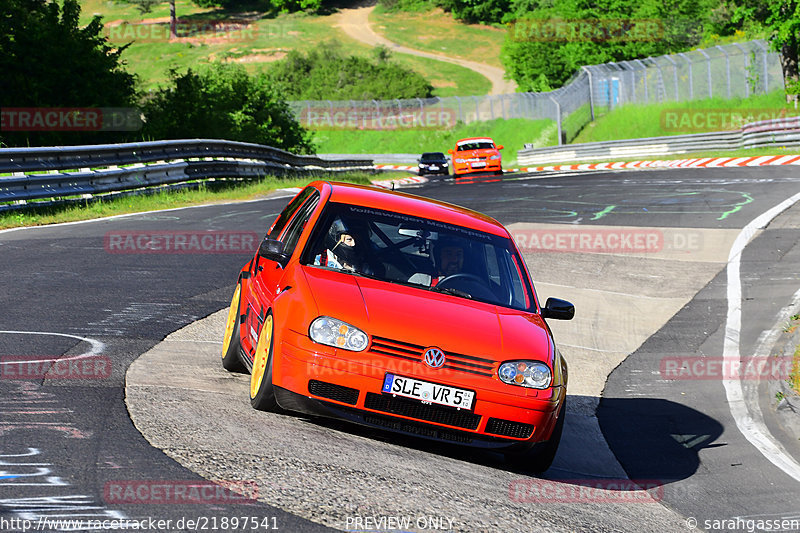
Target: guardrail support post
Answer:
[[691, 77], [591, 90], [674, 76], [558, 118], [727, 69], [746, 80], [766, 70], [708, 70]]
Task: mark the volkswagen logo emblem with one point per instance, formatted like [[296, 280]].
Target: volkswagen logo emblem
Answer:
[[434, 357]]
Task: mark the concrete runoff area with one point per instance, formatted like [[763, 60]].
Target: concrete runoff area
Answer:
[[185, 403]]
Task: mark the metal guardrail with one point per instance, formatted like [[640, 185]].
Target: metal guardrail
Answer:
[[782, 131], [396, 159], [95, 169]]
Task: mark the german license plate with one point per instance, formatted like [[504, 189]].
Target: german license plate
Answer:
[[428, 392], [479, 164]]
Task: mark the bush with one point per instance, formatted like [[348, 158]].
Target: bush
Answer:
[[224, 102], [326, 73]]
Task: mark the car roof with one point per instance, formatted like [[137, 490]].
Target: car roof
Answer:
[[378, 198], [473, 139]]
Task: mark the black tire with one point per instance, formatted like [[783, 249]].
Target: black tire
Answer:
[[231, 346], [262, 392], [539, 458]]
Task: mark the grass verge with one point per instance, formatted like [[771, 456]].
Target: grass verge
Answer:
[[208, 192], [438, 32], [680, 118], [794, 376], [512, 133], [742, 152], [265, 40]]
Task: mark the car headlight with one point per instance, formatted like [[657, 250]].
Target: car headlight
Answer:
[[460, 161], [532, 374], [495, 157], [334, 332], [444, 164]]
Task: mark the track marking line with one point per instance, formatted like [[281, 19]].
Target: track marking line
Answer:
[[97, 347], [754, 430]]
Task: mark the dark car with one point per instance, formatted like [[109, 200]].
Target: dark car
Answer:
[[433, 163]]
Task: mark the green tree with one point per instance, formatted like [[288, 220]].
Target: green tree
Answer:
[[545, 46], [223, 102], [781, 20], [48, 60]]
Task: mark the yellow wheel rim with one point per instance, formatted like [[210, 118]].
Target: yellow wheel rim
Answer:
[[261, 356], [233, 315]]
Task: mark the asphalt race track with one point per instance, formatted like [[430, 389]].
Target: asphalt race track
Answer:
[[76, 293]]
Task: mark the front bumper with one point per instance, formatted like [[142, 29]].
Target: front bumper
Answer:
[[311, 381], [439, 170], [470, 167]]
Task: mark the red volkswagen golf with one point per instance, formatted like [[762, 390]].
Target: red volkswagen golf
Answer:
[[404, 314]]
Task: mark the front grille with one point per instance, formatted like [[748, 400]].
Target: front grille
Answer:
[[413, 352], [333, 392], [421, 411], [405, 426], [509, 428]]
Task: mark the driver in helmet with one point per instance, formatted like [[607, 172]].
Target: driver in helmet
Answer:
[[347, 248], [448, 259], [344, 254]]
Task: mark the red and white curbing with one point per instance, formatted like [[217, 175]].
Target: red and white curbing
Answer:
[[410, 168], [704, 162], [391, 184]]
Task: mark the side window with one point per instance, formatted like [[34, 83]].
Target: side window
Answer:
[[298, 223], [288, 211]]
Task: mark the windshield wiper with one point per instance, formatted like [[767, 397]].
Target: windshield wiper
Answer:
[[454, 292]]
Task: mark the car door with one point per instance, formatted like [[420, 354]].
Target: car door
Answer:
[[266, 275]]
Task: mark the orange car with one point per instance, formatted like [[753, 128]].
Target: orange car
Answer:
[[476, 154], [404, 314]]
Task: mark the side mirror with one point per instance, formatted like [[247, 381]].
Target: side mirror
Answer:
[[450, 151], [558, 309], [499, 146], [272, 250]]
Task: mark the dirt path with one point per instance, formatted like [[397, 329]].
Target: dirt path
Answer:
[[355, 23]]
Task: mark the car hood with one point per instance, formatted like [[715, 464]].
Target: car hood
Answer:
[[424, 318], [477, 153]]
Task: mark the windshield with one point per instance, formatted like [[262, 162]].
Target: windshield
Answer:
[[434, 156], [476, 145], [412, 251]]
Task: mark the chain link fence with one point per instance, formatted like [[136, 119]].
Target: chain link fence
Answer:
[[730, 71]]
